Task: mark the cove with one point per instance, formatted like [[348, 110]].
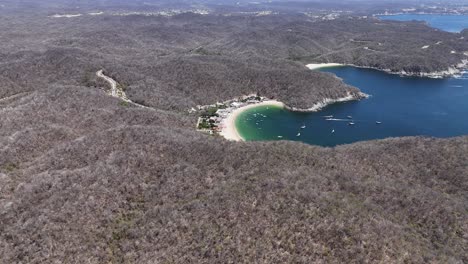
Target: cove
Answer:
[[405, 106], [450, 23]]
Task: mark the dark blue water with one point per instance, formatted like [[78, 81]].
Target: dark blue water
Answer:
[[406, 106], [450, 23]]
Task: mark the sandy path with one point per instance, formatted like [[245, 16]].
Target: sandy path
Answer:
[[111, 81], [116, 91], [12, 97]]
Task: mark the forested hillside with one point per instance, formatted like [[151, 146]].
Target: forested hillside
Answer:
[[189, 59], [85, 178]]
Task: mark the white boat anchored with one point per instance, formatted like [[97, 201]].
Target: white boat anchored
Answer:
[[298, 135], [378, 122], [351, 123]]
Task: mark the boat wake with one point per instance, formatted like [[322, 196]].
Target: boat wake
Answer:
[[337, 119]]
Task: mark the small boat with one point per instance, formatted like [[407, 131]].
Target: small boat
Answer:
[[302, 127], [378, 122], [351, 123], [349, 117], [333, 131], [280, 136], [329, 116], [298, 135]]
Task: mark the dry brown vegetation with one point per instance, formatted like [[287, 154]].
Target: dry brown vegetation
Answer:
[[85, 179]]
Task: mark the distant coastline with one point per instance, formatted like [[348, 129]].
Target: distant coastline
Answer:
[[454, 71], [228, 127], [448, 22], [419, 13]]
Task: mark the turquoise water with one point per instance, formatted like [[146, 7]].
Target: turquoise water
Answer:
[[450, 23], [405, 106]]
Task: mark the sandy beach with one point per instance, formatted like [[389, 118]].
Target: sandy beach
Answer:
[[313, 66], [229, 130]]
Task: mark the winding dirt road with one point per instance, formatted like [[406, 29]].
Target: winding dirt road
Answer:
[[116, 91]]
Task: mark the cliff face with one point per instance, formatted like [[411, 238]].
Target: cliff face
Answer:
[[87, 178]]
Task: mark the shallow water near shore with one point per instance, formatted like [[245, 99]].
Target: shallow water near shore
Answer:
[[405, 106], [450, 23]]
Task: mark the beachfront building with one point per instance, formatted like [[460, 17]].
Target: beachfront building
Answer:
[[212, 116]]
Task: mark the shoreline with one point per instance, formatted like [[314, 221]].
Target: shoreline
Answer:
[[317, 66], [329, 101], [229, 130], [452, 72], [419, 13]]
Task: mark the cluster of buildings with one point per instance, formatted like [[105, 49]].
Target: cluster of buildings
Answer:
[[212, 116]]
